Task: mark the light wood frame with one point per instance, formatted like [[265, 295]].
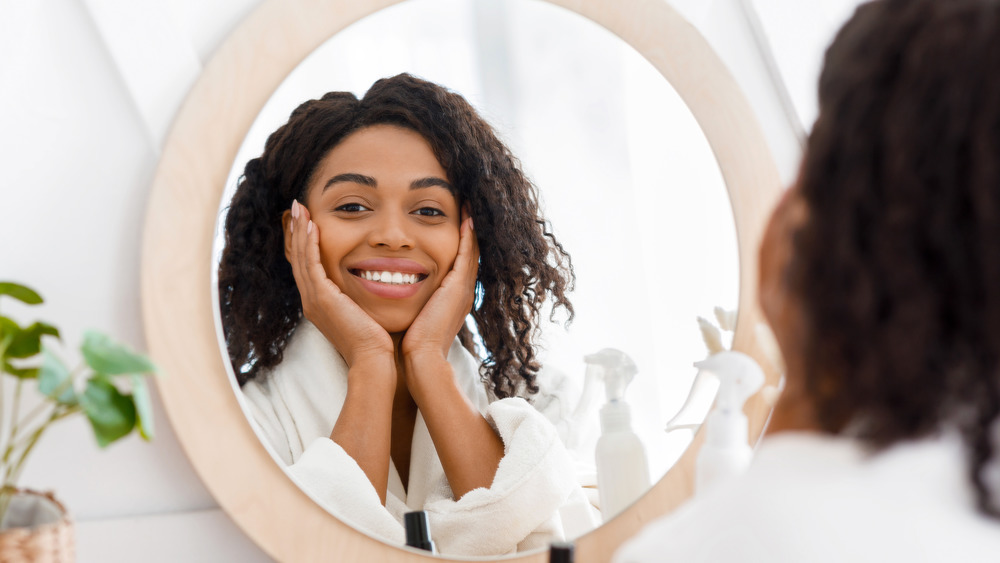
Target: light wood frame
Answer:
[[177, 257]]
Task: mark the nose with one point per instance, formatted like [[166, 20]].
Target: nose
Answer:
[[390, 230]]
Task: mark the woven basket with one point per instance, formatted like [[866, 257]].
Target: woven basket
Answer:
[[36, 529]]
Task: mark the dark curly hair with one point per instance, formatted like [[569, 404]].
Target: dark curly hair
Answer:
[[897, 265], [521, 262]]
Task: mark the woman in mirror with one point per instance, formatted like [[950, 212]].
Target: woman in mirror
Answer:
[[880, 275], [356, 246]]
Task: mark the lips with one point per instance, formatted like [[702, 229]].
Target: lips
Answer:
[[391, 278]]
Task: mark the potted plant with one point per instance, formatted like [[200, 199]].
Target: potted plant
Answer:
[[108, 387]]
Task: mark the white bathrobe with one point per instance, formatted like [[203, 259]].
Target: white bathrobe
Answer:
[[295, 406], [815, 498]]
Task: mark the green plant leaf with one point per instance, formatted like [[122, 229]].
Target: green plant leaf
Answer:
[[8, 332], [106, 356], [20, 292], [23, 373], [28, 341], [53, 378], [111, 414], [143, 406]]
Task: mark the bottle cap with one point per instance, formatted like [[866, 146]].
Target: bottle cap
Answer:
[[418, 530], [561, 552]]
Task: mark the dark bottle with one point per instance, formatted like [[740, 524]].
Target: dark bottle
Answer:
[[561, 552], [418, 531]]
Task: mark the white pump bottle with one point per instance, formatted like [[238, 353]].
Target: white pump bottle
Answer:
[[622, 468], [726, 451]]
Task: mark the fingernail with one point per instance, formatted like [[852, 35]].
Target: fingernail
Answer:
[[472, 224], [295, 208], [309, 227], [291, 226]]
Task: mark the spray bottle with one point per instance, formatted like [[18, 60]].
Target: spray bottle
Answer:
[[726, 451], [622, 468]]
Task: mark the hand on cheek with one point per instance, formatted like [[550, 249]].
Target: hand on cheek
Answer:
[[469, 449], [352, 331], [435, 327]]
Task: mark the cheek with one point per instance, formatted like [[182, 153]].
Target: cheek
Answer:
[[776, 253], [446, 249], [331, 254]]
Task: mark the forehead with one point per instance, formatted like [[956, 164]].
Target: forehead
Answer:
[[383, 150]]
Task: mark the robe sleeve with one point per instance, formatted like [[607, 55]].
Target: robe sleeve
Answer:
[[520, 509], [333, 479], [323, 470]]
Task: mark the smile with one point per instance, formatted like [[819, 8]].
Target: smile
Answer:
[[387, 277]]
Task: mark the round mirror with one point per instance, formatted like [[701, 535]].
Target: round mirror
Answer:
[[625, 173]]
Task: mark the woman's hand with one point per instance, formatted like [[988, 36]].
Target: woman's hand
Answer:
[[364, 427], [469, 449], [435, 327], [351, 331]]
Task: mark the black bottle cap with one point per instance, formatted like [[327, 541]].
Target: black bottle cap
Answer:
[[561, 552], [418, 530]]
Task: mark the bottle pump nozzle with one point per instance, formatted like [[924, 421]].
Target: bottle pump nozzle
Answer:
[[739, 378], [615, 368]]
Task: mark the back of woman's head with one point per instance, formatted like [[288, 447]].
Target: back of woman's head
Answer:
[[897, 266], [521, 263]]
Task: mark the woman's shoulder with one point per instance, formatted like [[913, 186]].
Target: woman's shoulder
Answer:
[[806, 492]]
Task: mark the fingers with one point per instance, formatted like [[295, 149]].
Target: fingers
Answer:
[[313, 264], [458, 289], [443, 315], [467, 260], [305, 257], [295, 253]]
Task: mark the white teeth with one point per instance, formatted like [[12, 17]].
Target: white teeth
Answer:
[[395, 278]]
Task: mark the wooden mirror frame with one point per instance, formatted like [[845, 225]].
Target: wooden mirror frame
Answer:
[[177, 258]]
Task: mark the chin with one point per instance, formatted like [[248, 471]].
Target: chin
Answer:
[[394, 323]]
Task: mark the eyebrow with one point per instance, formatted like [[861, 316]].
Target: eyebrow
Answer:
[[352, 178], [356, 178]]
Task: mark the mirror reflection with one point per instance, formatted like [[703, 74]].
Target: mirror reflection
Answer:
[[630, 190]]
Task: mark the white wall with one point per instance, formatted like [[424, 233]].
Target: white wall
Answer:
[[78, 154], [87, 91]]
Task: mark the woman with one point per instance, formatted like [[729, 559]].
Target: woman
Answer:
[[356, 245], [880, 275]]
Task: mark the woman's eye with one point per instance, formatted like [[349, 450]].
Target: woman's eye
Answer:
[[429, 212], [352, 208]]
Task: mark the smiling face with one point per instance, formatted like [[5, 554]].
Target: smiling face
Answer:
[[388, 223]]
